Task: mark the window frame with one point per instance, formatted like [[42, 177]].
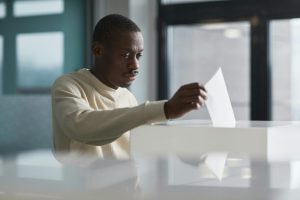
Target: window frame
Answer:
[[74, 40], [258, 12]]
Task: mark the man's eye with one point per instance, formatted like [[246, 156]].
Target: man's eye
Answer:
[[138, 56], [126, 55]]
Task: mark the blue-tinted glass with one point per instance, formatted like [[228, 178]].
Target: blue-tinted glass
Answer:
[[1, 61], [23, 8], [2, 10], [40, 58]]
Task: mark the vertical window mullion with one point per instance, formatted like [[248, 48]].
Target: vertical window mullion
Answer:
[[9, 53], [260, 70]]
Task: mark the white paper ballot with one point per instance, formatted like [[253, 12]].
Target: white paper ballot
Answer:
[[218, 102]]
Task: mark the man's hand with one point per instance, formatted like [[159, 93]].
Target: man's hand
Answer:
[[188, 97]]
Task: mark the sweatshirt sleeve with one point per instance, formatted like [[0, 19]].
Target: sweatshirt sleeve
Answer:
[[77, 120]]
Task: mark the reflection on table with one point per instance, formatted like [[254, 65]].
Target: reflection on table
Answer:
[[37, 175]]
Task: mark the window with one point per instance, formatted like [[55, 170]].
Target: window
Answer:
[[1, 59], [197, 51], [46, 40], [262, 35], [39, 59], [285, 63], [2, 10], [23, 8]]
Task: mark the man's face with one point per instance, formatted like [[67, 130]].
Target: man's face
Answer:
[[120, 59]]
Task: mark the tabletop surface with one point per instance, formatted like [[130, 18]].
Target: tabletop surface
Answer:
[[239, 124], [37, 175]]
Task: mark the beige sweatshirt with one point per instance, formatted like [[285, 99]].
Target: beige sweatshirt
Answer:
[[92, 119]]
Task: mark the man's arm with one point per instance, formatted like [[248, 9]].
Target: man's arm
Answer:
[[77, 120]]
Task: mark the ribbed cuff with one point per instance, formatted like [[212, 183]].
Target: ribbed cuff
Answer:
[[156, 112]]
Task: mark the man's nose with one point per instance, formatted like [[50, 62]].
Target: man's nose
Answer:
[[133, 63]]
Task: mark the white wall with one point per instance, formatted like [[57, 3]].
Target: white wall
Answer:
[[143, 12]]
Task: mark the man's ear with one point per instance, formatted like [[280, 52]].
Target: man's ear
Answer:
[[97, 49]]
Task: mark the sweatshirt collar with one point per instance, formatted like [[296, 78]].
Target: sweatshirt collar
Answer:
[[99, 86]]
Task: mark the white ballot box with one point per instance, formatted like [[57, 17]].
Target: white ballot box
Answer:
[[257, 139]]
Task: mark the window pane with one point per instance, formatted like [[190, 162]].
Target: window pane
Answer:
[[1, 62], [2, 10], [39, 59], [285, 61], [197, 51], [23, 8]]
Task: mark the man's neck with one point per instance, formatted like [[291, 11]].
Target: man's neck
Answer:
[[97, 74]]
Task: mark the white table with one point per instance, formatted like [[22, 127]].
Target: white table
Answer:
[[146, 178]]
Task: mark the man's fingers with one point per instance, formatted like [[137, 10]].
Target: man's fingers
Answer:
[[194, 100], [191, 106], [190, 86], [193, 93], [193, 86], [202, 88], [188, 97], [203, 94]]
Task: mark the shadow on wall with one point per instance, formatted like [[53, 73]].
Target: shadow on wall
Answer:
[[25, 123]]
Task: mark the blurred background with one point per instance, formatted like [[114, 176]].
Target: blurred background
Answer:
[[256, 43]]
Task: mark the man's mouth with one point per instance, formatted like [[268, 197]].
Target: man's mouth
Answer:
[[132, 74]]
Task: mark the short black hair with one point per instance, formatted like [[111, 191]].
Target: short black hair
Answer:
[[108, 26]]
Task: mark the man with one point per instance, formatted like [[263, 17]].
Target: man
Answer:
[[92, 109]]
